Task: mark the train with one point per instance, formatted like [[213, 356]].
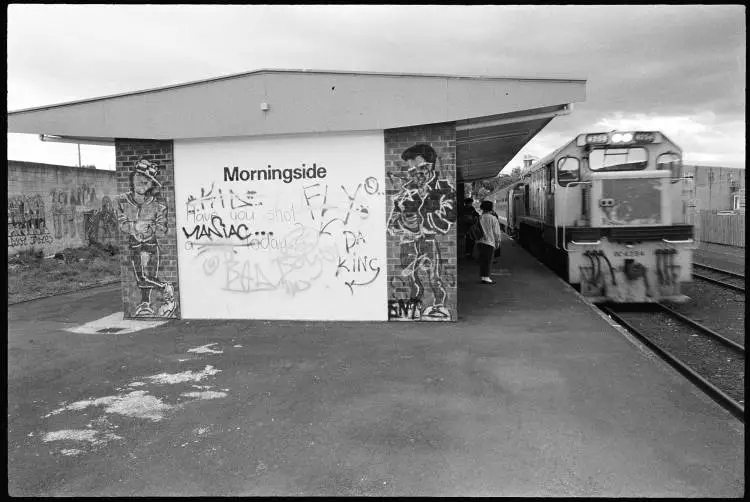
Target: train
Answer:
[[608, 212]]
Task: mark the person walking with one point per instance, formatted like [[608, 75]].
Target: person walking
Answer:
[[489, 242]]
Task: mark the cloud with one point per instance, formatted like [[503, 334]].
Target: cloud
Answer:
[[672, 61]]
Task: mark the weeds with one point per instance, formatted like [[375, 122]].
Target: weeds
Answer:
[[32, 275]]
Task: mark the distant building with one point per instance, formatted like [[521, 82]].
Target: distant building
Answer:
[[717, 188]]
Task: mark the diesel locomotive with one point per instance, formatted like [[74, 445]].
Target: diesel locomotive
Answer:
[[608, 212]]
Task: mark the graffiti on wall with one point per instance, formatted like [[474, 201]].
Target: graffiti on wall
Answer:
[[142, 214], [68, 208], [275, 234], [331, 239], [51, 208], [27, 223], [423, 209], [100, 225]]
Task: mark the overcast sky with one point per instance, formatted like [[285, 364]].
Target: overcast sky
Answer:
[[678, 69]]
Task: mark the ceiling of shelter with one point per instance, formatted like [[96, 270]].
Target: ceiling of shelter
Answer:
[[485, 149]]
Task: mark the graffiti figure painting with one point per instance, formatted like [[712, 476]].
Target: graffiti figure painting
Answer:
[[101, 225], [424, 208], [142, 213]]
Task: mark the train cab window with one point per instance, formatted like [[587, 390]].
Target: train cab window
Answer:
[[618, 159], [568, 170], [669, 161]]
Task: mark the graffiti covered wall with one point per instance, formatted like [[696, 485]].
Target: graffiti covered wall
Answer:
[[421, 207], [51, 207], [145, 214], [282, 228]]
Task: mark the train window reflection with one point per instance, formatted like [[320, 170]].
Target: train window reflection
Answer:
[[667, 161], [568, 170], [618, 159]]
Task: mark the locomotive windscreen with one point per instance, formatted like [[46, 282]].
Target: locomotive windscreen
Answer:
[[634, 201]]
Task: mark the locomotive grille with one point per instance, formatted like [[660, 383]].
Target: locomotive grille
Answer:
[[637, 201]]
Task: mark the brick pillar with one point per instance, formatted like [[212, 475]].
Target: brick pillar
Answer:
[[147, 236], [421, 215]]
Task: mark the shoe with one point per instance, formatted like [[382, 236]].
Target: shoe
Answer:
[[143, 309], [167, 309], [482, 281], [436, 312], [169, 306]]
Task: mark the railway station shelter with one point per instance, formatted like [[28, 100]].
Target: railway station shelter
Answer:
[[297, 194]]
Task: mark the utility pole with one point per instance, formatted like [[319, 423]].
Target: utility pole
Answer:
[[79, 155]]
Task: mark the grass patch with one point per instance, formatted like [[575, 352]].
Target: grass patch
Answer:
[[32, 275]]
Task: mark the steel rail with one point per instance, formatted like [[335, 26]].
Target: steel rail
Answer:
[[723, 284], [713, 280], [710, 389], [703, 329], [720, 271]]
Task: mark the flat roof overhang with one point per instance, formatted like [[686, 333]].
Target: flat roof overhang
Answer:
[[494, 116]]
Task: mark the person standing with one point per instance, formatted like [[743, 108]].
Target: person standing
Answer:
[[469, 216], [489, 242], [496, 254]]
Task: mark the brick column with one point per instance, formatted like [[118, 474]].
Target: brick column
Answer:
[[147, 237], [421, 215]]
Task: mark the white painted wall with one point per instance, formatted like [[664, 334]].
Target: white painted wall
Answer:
[[320, 252]]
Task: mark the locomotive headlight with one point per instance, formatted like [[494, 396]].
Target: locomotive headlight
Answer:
[[624, 137]]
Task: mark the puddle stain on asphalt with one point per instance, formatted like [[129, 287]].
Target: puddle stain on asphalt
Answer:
[[208, 394], [185, 376], [137, 404], [81, 435], [206, 349]]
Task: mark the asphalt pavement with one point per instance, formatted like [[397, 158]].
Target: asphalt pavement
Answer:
[[508, 401]]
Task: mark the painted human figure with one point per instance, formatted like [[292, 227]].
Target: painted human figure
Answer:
[[424, 208], [107, 218], [58, 206], [141, 214]]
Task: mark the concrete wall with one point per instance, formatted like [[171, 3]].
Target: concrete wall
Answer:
[[422, 212], [52, 207], [147, 237]]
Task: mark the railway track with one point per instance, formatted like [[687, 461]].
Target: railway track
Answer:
[[709, 360], [724, 278]]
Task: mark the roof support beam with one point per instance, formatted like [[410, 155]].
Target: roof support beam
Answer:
[[565, 110], [80, 140]]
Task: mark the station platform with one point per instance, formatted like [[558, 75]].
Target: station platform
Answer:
[[531, 393]]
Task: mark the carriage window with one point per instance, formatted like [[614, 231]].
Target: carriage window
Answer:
[[618, 159], [568, 170]]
